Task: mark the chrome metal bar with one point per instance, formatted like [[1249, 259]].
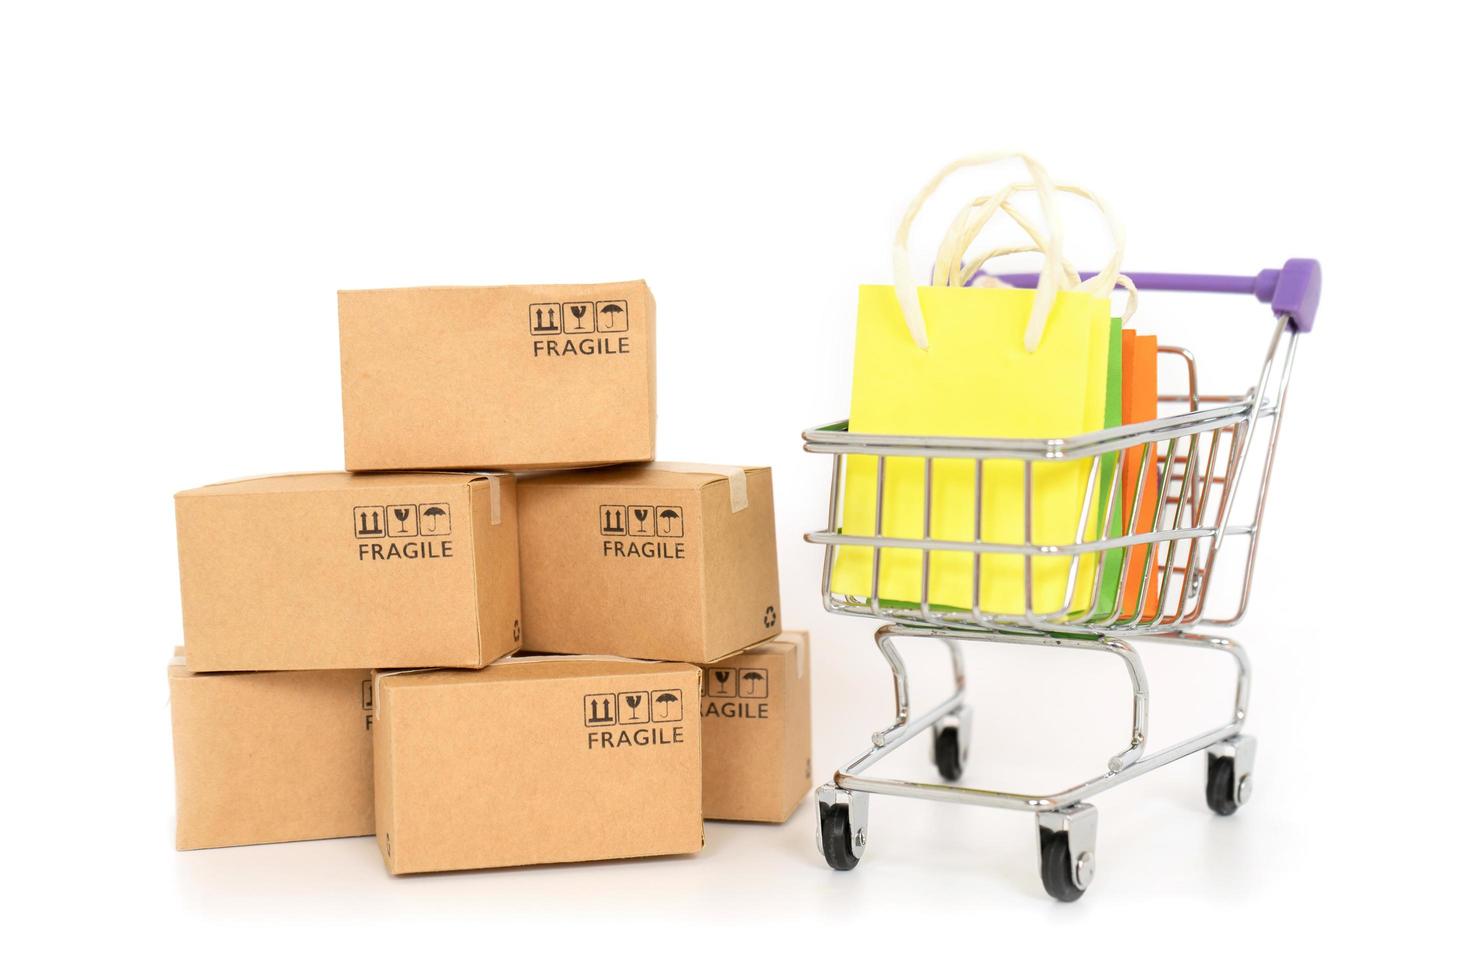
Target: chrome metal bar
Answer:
[[851, 778], [1033, 802]]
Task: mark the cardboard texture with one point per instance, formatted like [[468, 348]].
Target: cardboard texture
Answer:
[[267, 757], [757, 716], [654, 561], [497, 377], [336, 570], [537, 761]]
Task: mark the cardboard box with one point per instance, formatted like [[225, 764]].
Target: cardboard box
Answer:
[[267, 757], [497, 377], [757, 715], [666, 561], [536, 761], [335, 570]]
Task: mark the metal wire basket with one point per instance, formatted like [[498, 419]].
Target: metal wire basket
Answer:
[[1210, 457]]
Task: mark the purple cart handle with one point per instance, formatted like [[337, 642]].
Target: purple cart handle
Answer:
[[1293, 290]]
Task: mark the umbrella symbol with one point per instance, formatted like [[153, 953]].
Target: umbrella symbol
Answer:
[[752, 676], [434, 513], [722, 676], [669, 515], [611, 310], [667, 698]]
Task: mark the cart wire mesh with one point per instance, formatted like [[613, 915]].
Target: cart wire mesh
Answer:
[[1209, 457]]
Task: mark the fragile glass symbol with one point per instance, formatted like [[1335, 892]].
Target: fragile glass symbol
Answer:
[[722, 676], [402, 514], [642, 514]]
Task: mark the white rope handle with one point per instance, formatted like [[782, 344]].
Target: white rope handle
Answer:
[[907, 289], [970, 223], [950, 269]]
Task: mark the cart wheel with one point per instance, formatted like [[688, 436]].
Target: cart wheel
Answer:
[[843, 834], [948, 754], [1220, 786], [1068, 850], [1228, 774], [1057, 868]]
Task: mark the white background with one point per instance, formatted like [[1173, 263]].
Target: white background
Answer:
[[185, 188]]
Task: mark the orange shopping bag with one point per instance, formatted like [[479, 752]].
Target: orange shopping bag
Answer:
[[1140, 404]]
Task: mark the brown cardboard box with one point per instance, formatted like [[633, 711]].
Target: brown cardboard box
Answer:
[[757, 715], [666, 561], [536, 761], [497, 377], [261, 758], [336, 570]]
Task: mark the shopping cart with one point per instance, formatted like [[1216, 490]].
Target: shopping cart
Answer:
[[1212, 459]]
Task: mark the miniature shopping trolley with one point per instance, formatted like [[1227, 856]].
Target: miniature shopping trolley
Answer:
[[1211, 463]]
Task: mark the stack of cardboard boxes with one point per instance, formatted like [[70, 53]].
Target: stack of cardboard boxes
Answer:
[[347, 665]]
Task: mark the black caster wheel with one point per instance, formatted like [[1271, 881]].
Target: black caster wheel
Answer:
[[1220, 786], [843, 833], [1228, 774], [948, 753], [1068, 845], [1060, 870]]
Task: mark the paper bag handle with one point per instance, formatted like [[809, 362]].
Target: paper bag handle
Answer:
[[1056, 272], [907, 289]]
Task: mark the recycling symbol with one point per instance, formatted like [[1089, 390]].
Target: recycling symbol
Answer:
[[770, 619]]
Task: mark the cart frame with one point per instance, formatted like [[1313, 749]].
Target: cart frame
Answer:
[[1202, 462]]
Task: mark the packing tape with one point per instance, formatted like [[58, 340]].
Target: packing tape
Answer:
[[494, 500], [739, 497]]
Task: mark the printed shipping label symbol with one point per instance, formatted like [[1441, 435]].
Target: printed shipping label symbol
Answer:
[[369, 522], [668, 706], [612, 316], [578, 317], [720, 682], [754, 682], [640, 520], [611, 520], [403, 520], [633, 708], [670, 522], [598, 709], [545, 318], [434, 519]]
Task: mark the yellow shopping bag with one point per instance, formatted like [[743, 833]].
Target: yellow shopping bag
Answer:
[[976, 377]]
